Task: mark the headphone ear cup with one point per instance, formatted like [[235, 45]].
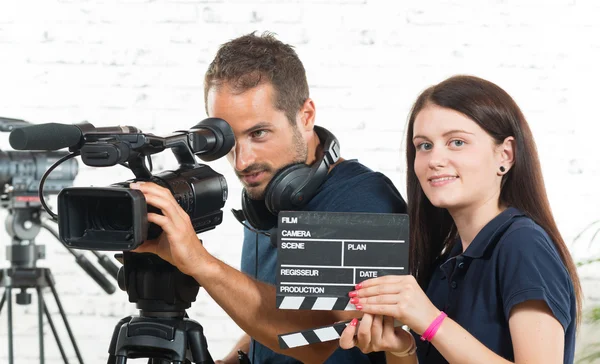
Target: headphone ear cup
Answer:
[[278, 194], [257, 214]]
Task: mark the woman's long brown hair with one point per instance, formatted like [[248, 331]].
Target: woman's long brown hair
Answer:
[[432, 229]]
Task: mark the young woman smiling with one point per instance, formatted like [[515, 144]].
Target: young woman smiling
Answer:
[[491, 278]]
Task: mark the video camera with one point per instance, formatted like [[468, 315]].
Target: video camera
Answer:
[[115, 217]]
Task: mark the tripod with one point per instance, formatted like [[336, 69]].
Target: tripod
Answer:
[[162, 332], [23, 224]]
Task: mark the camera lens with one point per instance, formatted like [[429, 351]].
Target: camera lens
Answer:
[[111, 214]]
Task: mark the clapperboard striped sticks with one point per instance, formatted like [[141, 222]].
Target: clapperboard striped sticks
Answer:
[[318, 335], [312, 336], [314, 303]]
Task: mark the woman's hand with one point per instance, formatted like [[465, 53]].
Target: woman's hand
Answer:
[[178, 244], [400, 297], [376, 333]]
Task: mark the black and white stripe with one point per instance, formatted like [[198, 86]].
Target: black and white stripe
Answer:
[[319, 335], [312, 336], [314, 303]]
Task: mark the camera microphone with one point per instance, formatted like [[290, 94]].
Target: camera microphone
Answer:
[[51, 136], [54, 136]]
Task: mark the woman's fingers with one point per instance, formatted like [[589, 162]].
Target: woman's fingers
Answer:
[[376, 290], [388, 332], [363, 335], [385, 299], [377, 331], [384, 280], [348, 339], [377, 309]]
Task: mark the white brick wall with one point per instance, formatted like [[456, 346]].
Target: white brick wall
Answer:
[[141, 62]]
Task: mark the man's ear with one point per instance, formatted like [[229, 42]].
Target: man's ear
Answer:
[[306, 115]]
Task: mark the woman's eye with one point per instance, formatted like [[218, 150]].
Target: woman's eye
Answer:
[[457, 143], [424, 146]]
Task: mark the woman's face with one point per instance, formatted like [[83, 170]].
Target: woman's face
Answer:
[[456, 161]]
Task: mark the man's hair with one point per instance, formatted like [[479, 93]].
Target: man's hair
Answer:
[[251, 60]]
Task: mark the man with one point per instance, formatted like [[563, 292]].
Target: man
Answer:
[[258, 85]]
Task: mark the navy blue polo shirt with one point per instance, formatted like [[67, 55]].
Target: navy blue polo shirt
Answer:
[[510, 261]]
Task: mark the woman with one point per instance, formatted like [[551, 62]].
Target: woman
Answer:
[[492, 280]]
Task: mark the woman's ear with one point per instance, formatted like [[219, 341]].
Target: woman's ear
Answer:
[[506, 155]]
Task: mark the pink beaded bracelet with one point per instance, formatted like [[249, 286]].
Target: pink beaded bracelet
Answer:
[[433, 327]]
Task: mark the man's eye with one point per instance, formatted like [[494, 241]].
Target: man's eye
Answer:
[[259, 133]]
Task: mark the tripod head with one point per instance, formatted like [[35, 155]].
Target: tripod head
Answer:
[[156, 287], [23, 224]]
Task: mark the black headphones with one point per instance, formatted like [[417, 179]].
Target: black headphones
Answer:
[[293, 186]]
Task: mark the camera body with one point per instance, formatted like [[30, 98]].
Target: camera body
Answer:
[[115, 217]]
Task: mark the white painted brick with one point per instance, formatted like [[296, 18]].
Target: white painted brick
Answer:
[[142, 63]]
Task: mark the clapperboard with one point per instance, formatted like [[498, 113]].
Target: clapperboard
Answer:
[[323, 255]]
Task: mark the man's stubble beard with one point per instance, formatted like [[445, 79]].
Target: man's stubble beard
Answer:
[[300, 150]]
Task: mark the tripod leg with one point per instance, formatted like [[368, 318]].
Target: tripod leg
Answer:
[[64, 317], [197, 344], [41, 322], [58, 343], [2, 301], [10, 333], [112, 347]]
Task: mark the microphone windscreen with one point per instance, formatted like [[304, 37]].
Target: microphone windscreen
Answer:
[[51, 136]]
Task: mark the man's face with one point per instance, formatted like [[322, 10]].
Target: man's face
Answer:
[[265, 140]]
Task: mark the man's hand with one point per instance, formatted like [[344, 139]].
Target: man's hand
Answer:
[[178, 244], [232, 361], [232, 358]]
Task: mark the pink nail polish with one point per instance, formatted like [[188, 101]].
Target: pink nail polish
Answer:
[[358, 307], [354, 300], [353, 322], [352, 294], [358, 286]]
